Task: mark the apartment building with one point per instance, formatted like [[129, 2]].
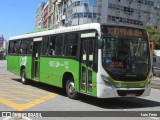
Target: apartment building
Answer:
[[39, 16], [62, 13], [2, 43], [51, 13], [45, 16]]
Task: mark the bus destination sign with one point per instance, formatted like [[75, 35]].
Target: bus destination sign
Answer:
[[124, 31]]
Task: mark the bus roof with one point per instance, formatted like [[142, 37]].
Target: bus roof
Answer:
[[90, 26], [59, 30]]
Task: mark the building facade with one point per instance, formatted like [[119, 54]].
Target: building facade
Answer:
[[62, 13], [39, 16], [2, 43], [45, 16]]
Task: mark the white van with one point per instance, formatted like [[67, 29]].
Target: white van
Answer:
[[156, 63]]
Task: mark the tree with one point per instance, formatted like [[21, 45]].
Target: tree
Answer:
[[154, 34]]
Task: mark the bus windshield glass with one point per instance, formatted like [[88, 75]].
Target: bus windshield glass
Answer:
[[126, 54]]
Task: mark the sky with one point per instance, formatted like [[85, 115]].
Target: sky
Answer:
[[17, 17]]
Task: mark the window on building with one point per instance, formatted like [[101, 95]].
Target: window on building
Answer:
[[128, 10], [124, 20]]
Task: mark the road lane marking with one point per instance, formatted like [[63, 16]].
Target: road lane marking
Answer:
[[17, 98], [20, 97], [26, 88], [30, 89], [25, 93], [22, 107]]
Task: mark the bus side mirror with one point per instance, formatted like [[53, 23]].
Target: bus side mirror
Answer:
[[100, 43]]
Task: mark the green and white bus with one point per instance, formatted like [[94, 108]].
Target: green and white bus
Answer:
[[104, 61]]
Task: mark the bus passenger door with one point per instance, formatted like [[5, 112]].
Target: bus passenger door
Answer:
[[36, 58], [87, 55]]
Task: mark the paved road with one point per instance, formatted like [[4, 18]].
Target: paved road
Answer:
[[155, 82], [40, 97]]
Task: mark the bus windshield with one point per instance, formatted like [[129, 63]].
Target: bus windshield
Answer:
[[126, 58]]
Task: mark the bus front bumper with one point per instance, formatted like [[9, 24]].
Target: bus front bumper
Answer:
[[104, 91]]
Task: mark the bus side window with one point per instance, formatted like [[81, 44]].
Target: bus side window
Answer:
[[91, 53], [16, 47], [71, 44], [11, 47], [52, 45], [45, 49], [23, 47], [59, 45], [27, 47], [30, 47]]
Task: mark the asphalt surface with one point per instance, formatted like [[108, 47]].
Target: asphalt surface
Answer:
[[155, 83], [15, 96]]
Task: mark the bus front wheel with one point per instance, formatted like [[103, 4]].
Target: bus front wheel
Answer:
[[70, 89], [24, 80]]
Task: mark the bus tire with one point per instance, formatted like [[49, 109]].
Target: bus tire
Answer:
[[24, 80], [70, 89]]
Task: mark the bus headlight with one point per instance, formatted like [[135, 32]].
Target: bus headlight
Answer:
[[105, 79]]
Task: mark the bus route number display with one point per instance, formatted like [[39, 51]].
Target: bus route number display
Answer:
[[124, 31]]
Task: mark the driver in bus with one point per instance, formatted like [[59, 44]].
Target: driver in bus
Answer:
[[124, 56]]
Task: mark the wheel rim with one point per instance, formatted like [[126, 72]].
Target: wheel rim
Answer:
[[71, 88]]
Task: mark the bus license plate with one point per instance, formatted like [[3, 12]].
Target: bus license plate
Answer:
[[130, 95]]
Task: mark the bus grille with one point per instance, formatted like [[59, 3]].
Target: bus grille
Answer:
[[126, 92]]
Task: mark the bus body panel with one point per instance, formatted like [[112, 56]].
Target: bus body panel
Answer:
[[13, 64], [52, 71], [26, 62]]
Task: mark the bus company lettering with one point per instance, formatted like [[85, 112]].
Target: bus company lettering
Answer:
[[67, 30], [54, 64], [23, 61], [58, 64]]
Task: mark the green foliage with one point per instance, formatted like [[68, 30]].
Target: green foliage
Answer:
[[154, 34]]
